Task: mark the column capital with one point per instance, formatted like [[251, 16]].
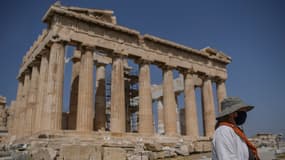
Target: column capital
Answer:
[[142, 61], [187, 71], [45, 51], [36, 63], [27, 71], [116, 55], [204, 76], [166, 67], [99, 64], [20, 78], [87, 48], [57, 39], [219, 80], [76, 55]]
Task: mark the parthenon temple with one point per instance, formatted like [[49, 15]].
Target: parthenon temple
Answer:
[[99, 41]]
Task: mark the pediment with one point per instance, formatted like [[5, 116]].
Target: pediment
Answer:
[[97, 14]]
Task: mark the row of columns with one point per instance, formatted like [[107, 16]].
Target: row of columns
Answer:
[[190, 118], [40, 95]]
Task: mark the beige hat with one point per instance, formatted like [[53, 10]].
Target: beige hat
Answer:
[[232, 104]]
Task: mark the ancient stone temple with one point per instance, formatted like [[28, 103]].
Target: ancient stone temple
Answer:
[[93, 116]]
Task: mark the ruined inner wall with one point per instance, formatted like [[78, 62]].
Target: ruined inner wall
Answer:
[[3, 114]]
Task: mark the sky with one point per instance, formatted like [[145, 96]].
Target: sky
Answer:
[[252, 33]]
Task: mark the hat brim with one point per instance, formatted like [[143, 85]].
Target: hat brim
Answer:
[[233, 109]]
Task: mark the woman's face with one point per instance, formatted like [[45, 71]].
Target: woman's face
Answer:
[[240, 117]]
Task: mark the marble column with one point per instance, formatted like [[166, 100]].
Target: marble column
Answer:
[[11, 119], [145, 99], [191, 119], [23, 117], [73, 102], [221, 92], [169, 103], [53, 103], [118, 107], [39, 123], [208, 108], [160, 117], [100, 98], [85, 110], [32, 99], [18, 106]]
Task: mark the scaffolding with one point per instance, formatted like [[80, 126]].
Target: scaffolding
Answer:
[[131, 98]]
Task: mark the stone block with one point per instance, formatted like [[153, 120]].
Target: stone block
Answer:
[[43, 153], [154, 147], [82, 152], [202, 146], [144, 155], [164, 154], [111, 153], [182, 150]]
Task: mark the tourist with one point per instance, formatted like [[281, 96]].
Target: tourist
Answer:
[[229, 141]]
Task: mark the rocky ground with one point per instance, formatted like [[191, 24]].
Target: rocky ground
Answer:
[[75, 149], [200, 156]]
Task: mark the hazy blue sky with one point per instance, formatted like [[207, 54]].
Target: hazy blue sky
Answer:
[[251, 32]]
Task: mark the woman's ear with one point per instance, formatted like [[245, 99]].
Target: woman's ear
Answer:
[[235, 114]]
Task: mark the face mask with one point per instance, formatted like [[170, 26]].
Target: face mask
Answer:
[[241, 117]]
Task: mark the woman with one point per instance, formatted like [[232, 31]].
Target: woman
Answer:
[[229, 141]]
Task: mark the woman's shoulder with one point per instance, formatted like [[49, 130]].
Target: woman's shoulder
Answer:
[[224, 130]]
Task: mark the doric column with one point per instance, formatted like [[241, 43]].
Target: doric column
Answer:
[[118, 108], [100, 100], [53, 104], [208, 107], [23, 116], [160, 117], [221, 92], [32, 99], [24, 103], [39, 122], [169, 104], [18, 106], [191, 120], [73, 102], [145, 99], [85, 110], [11, 119]]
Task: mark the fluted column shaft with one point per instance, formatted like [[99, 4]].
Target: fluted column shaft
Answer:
[[73, 102], [169, 103], [145, 100], [32, 99], [42, 82], [23, 117], [85, 111], [11, 119], [191, 120], [100, 100], [221, 92], [208, 107], [118, 108], [53, 104], [18, 107]]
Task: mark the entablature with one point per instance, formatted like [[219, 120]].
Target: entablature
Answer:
[[74, 26]]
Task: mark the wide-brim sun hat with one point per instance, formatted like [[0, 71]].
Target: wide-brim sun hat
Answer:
[[231, 104]]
